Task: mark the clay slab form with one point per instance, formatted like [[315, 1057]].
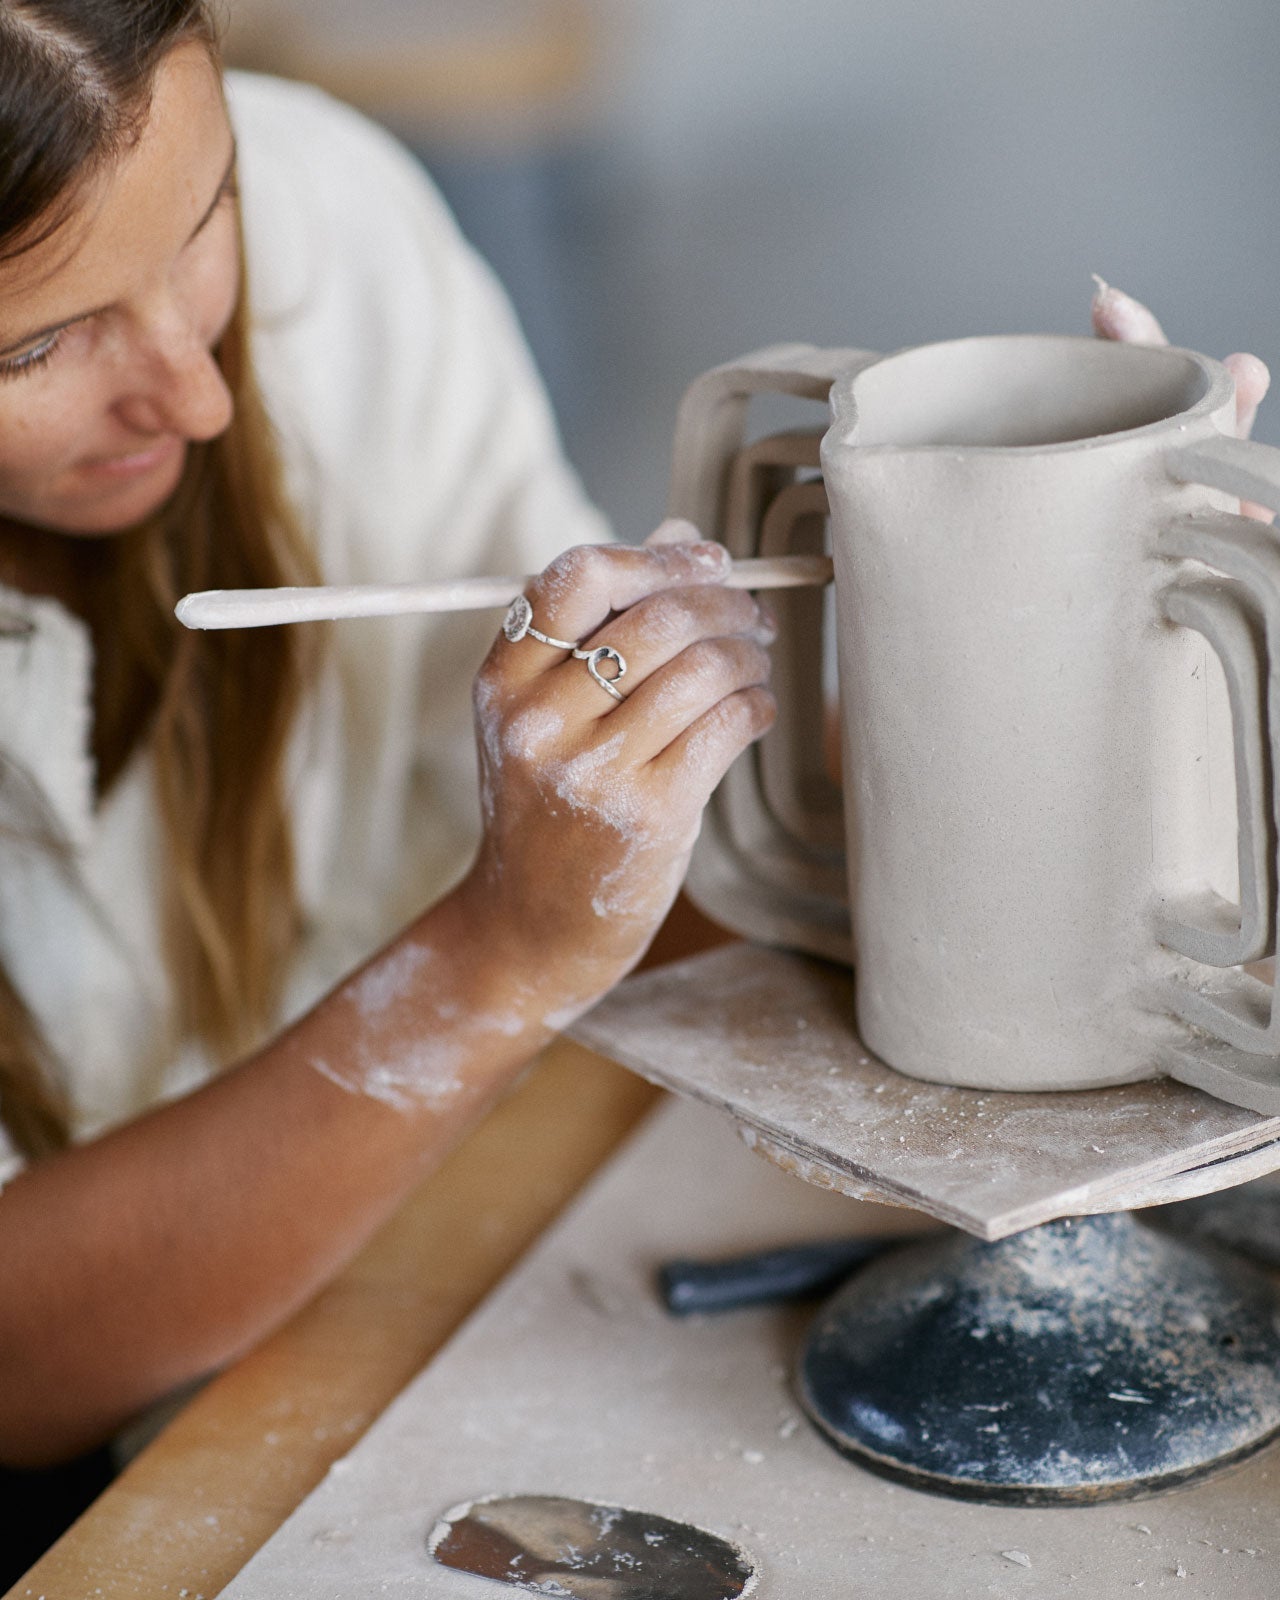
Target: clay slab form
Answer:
[[769, 1037], [571, 1380]]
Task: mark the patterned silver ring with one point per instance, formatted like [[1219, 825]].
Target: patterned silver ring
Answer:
[[519, 622]]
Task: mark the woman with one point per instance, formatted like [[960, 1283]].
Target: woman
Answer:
[[202, 844], [212, 1094]]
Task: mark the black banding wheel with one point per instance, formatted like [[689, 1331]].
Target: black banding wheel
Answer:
[[1085, 1360]]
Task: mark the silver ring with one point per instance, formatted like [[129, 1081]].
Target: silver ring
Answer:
[[594, 658], [519, 621]]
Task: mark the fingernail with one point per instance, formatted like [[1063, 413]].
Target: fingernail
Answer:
[[674, 530]]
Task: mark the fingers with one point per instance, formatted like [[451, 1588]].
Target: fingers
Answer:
[[703, 753], [581, 588], [680, 634], [584, 586], [1252, 382], [673, 699], [687, 648], [1119, 316]]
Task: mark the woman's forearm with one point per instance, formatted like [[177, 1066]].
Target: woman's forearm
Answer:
[[165, 1248]]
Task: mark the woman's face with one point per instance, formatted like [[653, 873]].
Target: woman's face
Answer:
[[107, 328]]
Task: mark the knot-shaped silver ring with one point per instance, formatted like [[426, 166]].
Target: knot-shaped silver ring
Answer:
[[596, 658], [519, 621]]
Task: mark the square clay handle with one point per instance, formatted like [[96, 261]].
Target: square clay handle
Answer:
[[1237, 1056]]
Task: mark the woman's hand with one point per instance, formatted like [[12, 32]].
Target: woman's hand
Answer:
[[1118, 316], [592, 804]]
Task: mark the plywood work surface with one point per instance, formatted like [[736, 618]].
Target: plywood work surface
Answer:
[[769, 1038], [571, 1379]]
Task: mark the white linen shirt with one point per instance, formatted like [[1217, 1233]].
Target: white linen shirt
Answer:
[[418, 446]]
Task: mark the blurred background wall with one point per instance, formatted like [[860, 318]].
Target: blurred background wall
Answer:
[[664, 184]]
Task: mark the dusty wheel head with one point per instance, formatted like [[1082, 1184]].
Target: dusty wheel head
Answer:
[[589, 1551], [1086, 1360]]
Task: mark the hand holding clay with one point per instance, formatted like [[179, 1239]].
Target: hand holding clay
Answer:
[[592, 799], [1118, 316]]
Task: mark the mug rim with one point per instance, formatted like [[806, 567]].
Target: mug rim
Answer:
[[1219, 391]]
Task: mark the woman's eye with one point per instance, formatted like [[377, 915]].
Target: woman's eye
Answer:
[[28, 360]]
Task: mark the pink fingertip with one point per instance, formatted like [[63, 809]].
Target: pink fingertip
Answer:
[[1117, 315], [1252, 375]]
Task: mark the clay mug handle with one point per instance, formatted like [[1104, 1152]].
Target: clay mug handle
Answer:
[[1238, 1056], [769, 862]]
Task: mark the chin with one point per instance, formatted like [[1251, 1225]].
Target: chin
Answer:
[[112, 508]]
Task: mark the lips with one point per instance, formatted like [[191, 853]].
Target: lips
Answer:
[[135, 464]]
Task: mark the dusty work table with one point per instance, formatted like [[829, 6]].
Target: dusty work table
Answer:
[[197, 1503]]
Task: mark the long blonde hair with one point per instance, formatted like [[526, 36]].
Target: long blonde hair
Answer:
[[214, 710]]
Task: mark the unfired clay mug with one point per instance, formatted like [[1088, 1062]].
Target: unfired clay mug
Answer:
[[1055, 636]]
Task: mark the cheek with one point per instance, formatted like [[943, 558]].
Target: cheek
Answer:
[[44, 424], [212, 284], [51, 416]]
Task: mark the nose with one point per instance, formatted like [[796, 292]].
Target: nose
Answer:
[[179, 387]]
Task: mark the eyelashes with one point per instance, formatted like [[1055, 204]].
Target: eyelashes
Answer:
[[29, 360]]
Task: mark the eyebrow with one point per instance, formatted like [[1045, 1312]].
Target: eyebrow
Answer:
[[39, 334]]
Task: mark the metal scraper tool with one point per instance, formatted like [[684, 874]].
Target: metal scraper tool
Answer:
[[587, 1551]]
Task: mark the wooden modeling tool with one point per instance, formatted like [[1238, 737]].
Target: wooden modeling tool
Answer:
[[260, 608]]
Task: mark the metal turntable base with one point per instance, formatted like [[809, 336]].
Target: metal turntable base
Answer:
[[1081, 1361]]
